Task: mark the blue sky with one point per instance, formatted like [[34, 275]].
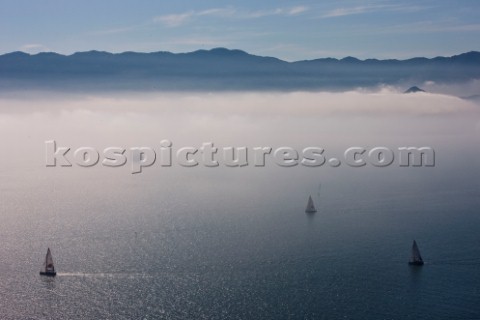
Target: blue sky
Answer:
[[291, 30]]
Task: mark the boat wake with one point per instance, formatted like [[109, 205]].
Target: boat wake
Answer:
[[461, 262], [105, 275]]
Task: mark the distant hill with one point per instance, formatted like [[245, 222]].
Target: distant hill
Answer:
[[414, 89], [222, 69]]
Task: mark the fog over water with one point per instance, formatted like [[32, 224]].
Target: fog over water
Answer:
[[332, 121], [178, 242]]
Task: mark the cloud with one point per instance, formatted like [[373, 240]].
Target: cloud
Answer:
[[179, 19], [297, 10], [384, 100], [176, 20], [292, 11], [219, 12], [34, 48], [340, 12]]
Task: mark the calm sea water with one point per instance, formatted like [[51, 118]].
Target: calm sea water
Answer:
[[235, 243]]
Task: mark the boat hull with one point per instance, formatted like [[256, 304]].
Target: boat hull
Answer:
[[416, 263], [48, 274]]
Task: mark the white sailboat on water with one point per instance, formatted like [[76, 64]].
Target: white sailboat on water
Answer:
[[48, 267], [310, 206], [416, 258]]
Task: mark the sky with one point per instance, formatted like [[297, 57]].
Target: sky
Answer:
[[290, 30]]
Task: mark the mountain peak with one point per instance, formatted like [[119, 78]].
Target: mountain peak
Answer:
[[414, 89], [221, 52], [350, 59], [16, 54], [469, 57], [92, 53]]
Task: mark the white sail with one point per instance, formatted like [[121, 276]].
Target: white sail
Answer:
[[310, 206], [416, 256]]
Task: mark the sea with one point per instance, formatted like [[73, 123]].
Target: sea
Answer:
[[178, 242]]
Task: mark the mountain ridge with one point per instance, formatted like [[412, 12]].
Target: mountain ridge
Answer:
[[225, 51], [223, 69]]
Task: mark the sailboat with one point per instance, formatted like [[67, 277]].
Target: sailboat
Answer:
[[48, 267], [310, 206], [416, 258]]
